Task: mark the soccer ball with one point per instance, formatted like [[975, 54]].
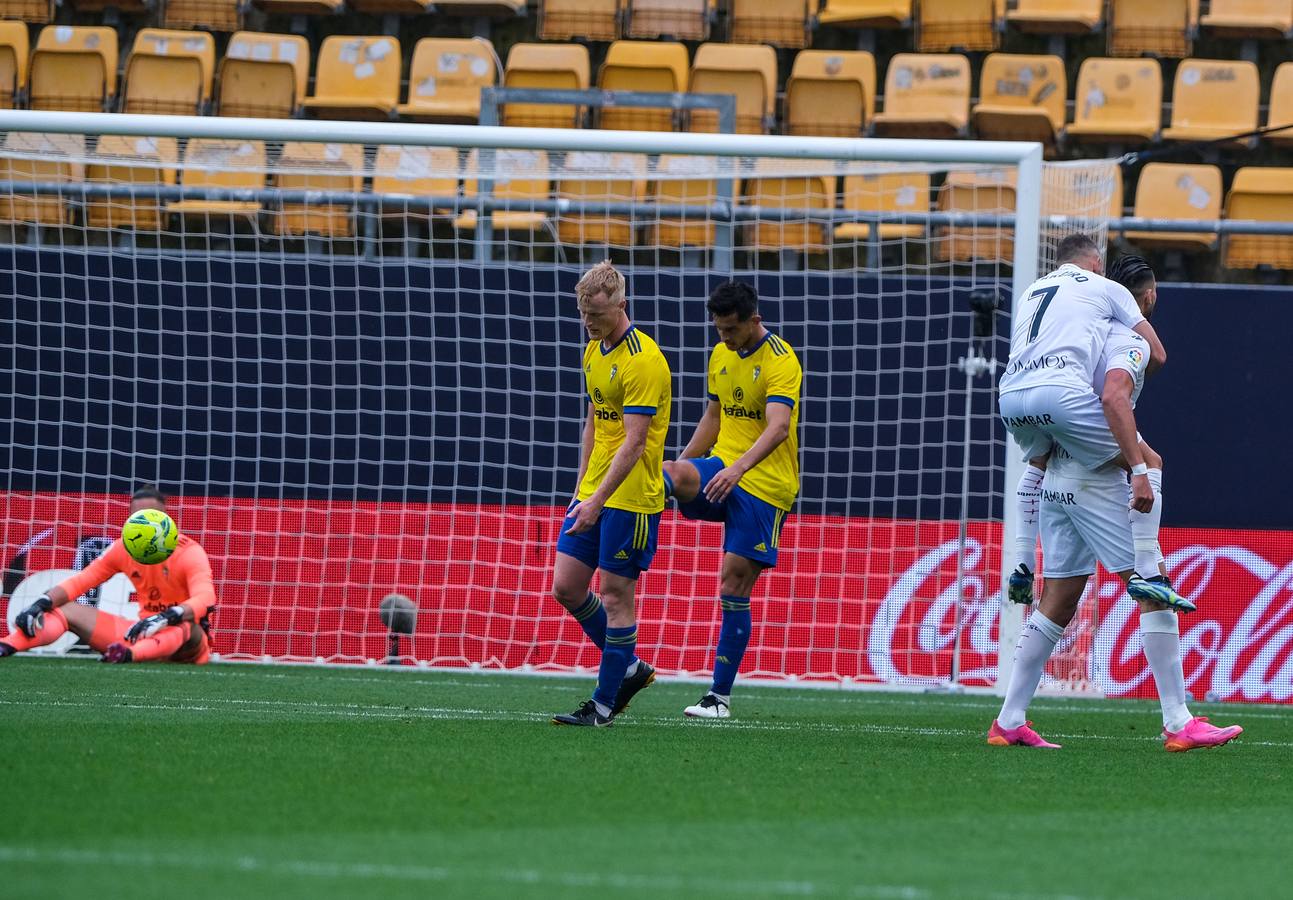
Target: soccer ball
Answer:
[[149, 536]]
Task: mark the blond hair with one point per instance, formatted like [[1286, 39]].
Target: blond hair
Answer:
[[602, 278]]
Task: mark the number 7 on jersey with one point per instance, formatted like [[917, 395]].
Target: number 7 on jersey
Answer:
[[1047, 294]]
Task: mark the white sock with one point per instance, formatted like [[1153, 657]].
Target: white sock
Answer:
[[726, 698], [633, 668], [1144, 529], [602, 709], [1160, 633], [1036, 642], [1028, 495]]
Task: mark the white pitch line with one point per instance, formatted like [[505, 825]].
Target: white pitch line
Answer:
[[669, 885], [302, 709]]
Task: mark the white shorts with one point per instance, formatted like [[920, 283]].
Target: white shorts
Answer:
[[1082, 520], [1040, 417]]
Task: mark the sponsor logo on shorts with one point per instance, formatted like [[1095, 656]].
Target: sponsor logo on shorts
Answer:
[[761, 547], [1024, 421], [1064, 497], [1049, 361], [621, 555]]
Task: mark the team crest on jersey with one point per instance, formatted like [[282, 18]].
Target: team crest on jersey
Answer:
[[614, 369], [1136, 357], [757, 370]]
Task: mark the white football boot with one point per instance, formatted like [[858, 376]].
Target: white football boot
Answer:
[[709, 707]]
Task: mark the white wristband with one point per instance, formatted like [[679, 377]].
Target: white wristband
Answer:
[[1140, 469]]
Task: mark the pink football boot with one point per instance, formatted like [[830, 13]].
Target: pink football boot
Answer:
[[1024, 736], [1198, 733]]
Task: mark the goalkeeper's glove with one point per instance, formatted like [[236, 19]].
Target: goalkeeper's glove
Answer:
[[156, 622], [31, 619]]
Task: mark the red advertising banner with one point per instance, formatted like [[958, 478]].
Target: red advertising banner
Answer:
[[855, 600]]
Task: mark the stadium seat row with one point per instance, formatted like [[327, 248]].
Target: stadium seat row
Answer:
[[1134, 27], [1165, 191], [832, 93]]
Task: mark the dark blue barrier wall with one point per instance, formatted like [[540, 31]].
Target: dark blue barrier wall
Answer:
[[443, 382]]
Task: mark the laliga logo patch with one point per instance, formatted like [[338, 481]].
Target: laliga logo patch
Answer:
[[1136, 357]]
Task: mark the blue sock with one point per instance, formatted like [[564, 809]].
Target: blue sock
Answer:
[[592, 618], [668, 486], [620, 644], [733, 637]]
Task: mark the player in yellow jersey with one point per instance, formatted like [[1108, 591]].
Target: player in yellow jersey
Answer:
[[741, 467], [611, 524]]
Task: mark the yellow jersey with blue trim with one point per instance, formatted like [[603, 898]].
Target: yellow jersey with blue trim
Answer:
[[630, 378], [744, 383]]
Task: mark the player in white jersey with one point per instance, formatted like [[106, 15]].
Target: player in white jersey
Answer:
[[1084, 516], [1059, 332]]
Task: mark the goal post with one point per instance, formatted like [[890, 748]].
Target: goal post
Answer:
[[294, 326]]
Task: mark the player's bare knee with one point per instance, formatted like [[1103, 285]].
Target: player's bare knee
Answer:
[[685, 478], [568, 595], [80, 619], [739, 575]]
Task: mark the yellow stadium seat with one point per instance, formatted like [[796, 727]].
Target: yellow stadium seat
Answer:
[[14, 53], [642, 66], [991, 191], [688, 181], [318, 167], [445, 78], [782, 23], [866, 13], [899, 192], [38, 12], [213, 15], [830, 93], [42, 158], [1057, 16], [74, 68], [1263, 194], [1281, 108], [1155, 27], [790, 191], [925, 96], [301, 7], [1171, 191], [415, 172], [1261, 19], [518, 175], [562, 67], [1021, 98], [749, 71], [1214, 99], [681, 20], [1117, 101], [263, 76], [169, 73], [593, 20], [627, 184], [944, 25], [142, 161], [356, 78], [216, 163]]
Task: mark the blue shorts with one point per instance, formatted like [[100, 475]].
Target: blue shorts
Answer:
[[751, 527], [621, 542]]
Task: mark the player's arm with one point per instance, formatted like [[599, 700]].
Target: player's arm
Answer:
[[706, 433], [195, 571], [1157, 353], [777, 429], [626, 457], [1116, 400], [1124, 309], [585, 447], [28, 621]]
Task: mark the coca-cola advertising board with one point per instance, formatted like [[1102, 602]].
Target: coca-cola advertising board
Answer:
[[853, 600]]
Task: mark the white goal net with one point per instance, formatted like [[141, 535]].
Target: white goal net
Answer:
[[354, 363]]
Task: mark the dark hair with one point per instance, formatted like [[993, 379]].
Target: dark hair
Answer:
[[1132, 272], [148, 492], [1073, 246], [733, 297]]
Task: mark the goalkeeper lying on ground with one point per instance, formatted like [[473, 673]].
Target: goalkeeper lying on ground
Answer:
[[174, 598]]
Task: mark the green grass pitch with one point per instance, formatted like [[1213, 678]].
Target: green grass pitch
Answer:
[[235, 781]]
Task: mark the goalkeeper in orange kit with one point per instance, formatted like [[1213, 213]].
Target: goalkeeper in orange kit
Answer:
[[175, 597]]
